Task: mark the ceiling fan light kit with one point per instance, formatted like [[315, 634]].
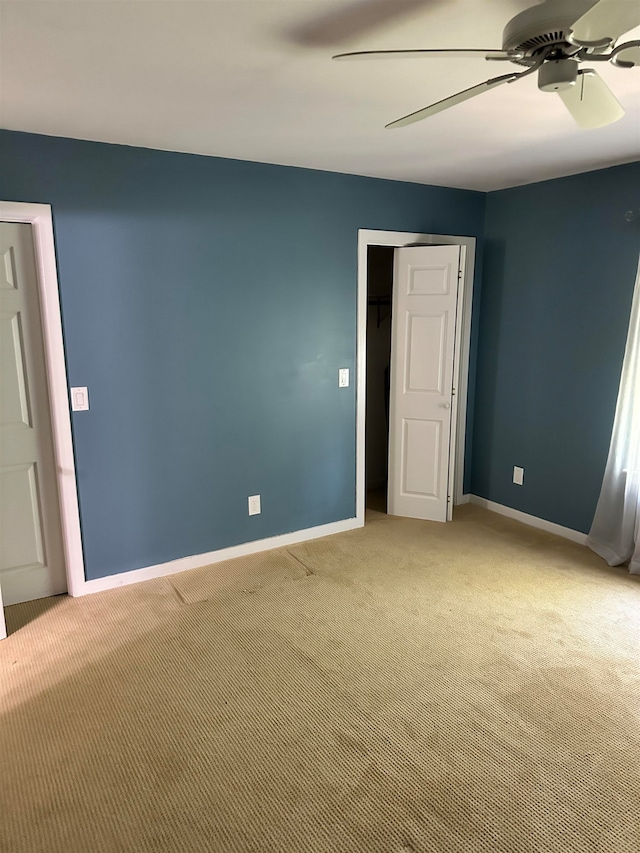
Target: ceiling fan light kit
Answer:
[[557, 75], [552, 38], [591, 102]]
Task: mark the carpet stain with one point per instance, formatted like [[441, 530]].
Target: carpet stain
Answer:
[[307, 569]]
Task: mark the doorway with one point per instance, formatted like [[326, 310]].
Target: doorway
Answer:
[[379, 304], [375, 304]]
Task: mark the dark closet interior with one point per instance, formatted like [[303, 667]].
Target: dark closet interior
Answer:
[[379, 290]]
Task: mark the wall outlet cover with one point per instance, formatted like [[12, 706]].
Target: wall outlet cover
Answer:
[[254, 505], [518, 475], [79, 399]]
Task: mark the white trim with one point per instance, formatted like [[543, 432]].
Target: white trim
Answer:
[[184, 563], [465, 499], [531, 520], [455, 463], [40, 219], [398, 239]]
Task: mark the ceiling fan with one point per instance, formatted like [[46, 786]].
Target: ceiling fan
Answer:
[[552, 39]]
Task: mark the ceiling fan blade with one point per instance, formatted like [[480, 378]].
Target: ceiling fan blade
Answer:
[[427, 54], [465, 95], [591, 102], [605, 22], [627, 56]]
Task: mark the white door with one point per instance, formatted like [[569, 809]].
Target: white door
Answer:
[[31, 550], [423, 345], [3, 627]]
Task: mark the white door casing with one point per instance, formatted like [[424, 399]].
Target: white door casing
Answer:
[[32, 561], [423, 346]]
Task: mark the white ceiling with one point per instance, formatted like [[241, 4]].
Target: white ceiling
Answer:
[[254, 81]]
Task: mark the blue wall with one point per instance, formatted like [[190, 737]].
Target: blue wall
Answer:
[[207, 304], [559, 269]]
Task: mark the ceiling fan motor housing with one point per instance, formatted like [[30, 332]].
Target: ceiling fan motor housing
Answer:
[[557, 75], [544, 26]]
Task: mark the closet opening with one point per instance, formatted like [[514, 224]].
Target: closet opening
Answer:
[[379, 303]]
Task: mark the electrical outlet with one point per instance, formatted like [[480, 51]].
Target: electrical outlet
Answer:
[[518, 475], [254, 505], [343, 377]]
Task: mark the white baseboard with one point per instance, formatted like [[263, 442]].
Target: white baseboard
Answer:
[[531, 520], [184, 563], [194, 562], [464, 499]]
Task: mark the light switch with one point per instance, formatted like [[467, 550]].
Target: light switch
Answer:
[[79, 399], [343, 377]]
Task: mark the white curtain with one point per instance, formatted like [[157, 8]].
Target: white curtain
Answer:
[[615, 533]]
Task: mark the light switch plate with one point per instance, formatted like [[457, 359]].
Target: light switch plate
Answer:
[[79, 399], [518, 475], [343, 377]]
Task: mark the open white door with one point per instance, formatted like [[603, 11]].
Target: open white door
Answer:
[[3, 624], [32, 561], [423, 347]]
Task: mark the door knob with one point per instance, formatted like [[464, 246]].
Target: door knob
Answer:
[[446, 405]]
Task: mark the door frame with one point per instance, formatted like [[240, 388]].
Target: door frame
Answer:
[[39, 216], [399, 239]]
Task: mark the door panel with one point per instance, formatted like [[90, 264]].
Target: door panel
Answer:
[[420, 451], [425, 292], [15, 407], [21, 545], [31, 551], [431, 281], [424, 357]]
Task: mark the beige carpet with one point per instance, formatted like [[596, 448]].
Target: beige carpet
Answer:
[[406, 688]]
